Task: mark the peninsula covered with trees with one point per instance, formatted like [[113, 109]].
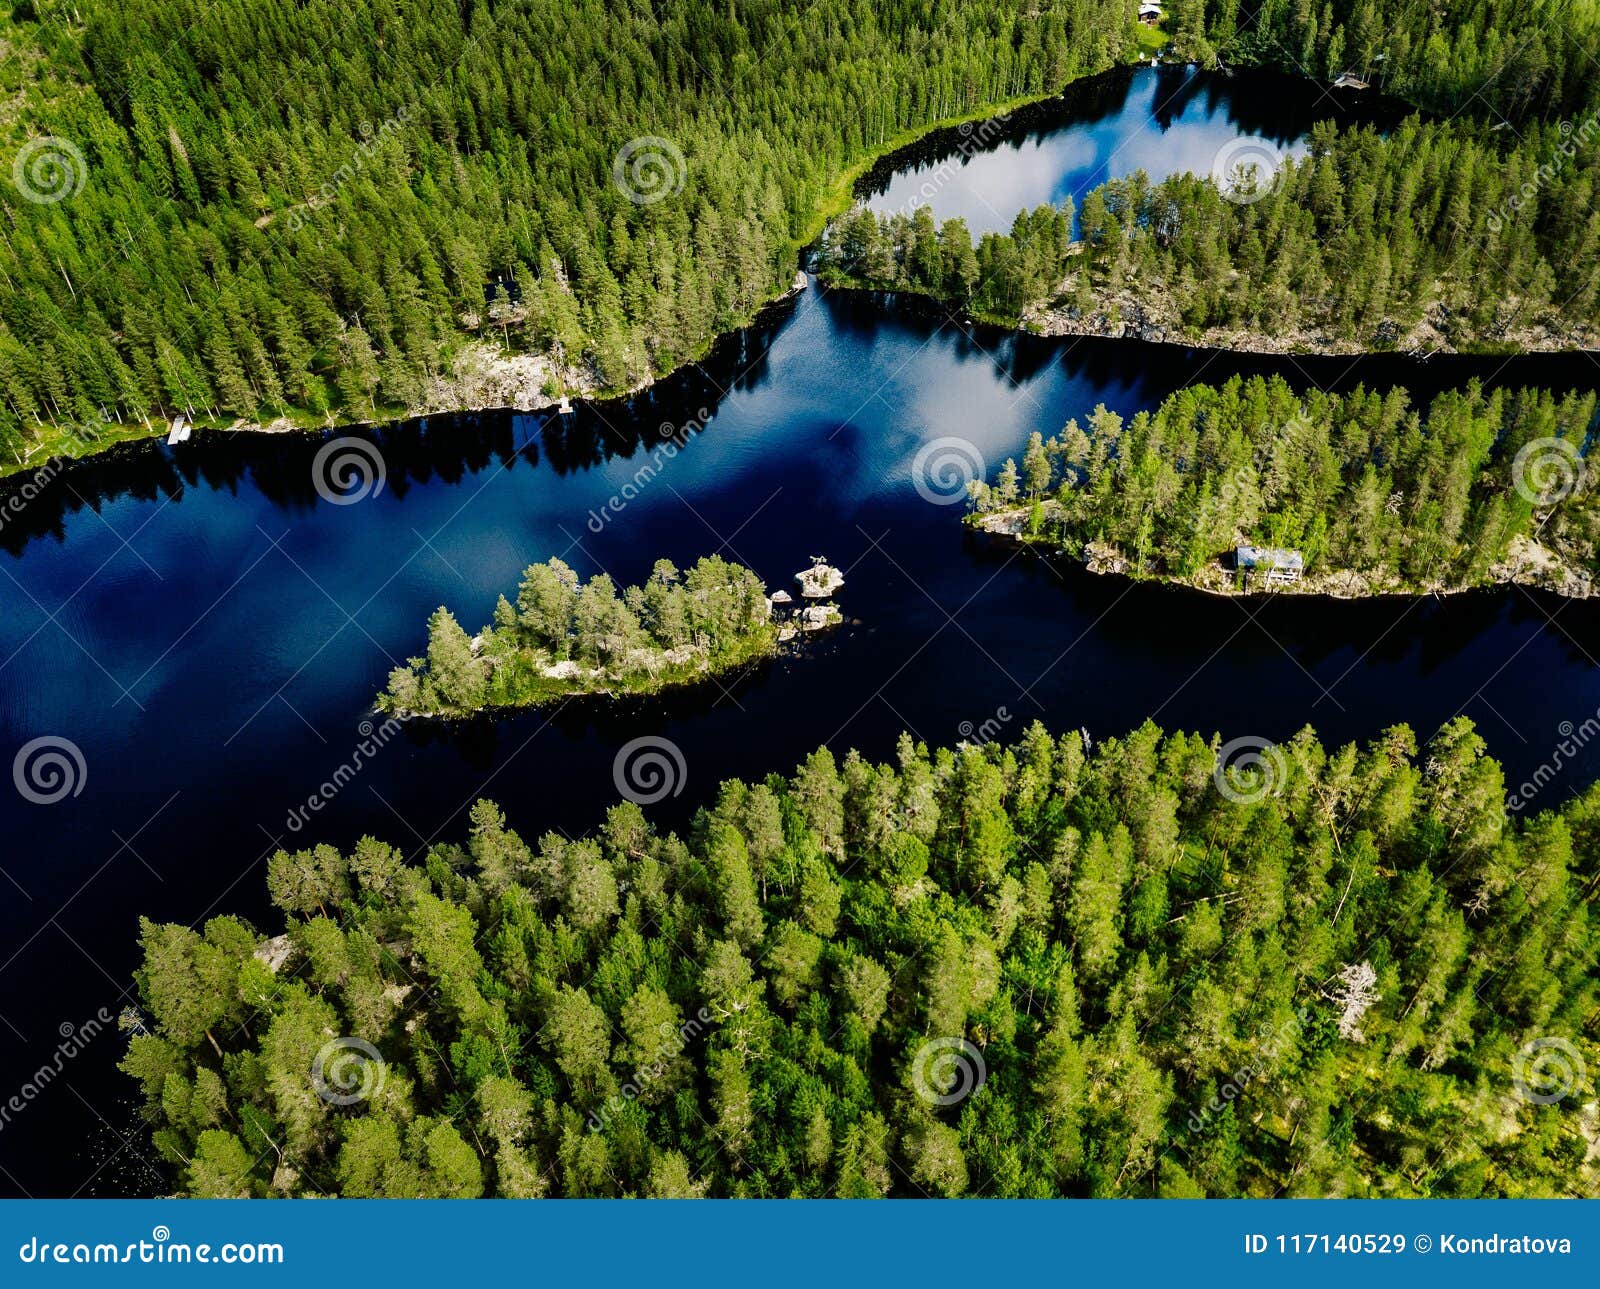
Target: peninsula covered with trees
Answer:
[[1043, 970], [1439, 235], [1375, 494], [565, 636]]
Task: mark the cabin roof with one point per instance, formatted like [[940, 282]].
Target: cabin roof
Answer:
[[1276, 556]]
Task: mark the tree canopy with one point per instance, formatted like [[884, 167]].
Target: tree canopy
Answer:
[[564, 635], [1360, 481], [267, 206], [1125, 969]]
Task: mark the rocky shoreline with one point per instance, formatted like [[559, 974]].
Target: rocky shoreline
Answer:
[[1527, 564], [1153, 318]]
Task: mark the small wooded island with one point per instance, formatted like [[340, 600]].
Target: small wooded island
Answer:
[[1252, 486], [564, 636]]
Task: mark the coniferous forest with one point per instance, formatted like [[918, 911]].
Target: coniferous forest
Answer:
[[1157, 964], [1042, 970], [252, 211], [279, 207], [1440, 232], [566, 636], [1360, 482]]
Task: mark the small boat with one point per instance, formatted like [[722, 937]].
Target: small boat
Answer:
[[180, 430]]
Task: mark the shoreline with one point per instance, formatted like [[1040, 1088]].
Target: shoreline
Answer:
[[766, 653], [839, 199], [1050, 324], [1572, 584], [516, 370]]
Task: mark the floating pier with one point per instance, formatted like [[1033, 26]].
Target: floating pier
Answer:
[[180, 431]]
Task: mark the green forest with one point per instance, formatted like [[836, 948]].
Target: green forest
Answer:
[[261, 207], [272, 210], [1448, 223], [1363, 481], [1141, 968], [1514, 60], [566, 636]]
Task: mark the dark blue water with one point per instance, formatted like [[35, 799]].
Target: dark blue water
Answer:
[[1163, 121], [208, 632]]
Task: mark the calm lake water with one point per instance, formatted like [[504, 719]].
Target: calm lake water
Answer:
[[1162, 120], [209, 632]]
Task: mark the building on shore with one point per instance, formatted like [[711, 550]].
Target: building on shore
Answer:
[[1279, 564]]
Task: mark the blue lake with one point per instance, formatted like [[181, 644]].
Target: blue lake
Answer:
[[208, 631]]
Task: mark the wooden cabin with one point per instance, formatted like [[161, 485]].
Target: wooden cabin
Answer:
[[1150, 13], [1278, 563]]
